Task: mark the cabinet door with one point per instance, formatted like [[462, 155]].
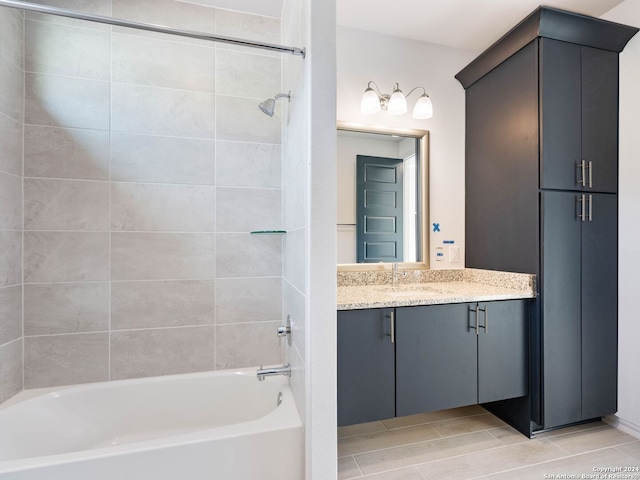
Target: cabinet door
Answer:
[[436, 358], [561, 305], [366, 375], [579, 117], [600, 308], [600, 118], [503, 351], [560, 114]]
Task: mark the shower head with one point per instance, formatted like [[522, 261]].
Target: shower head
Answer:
[[269, 105]]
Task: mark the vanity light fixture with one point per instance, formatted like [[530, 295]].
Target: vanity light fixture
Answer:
[[395, 104]]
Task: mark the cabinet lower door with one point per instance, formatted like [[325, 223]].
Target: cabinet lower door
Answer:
[[600, 308], [503, 350], [436, 358], [366, 375], [561, 305]]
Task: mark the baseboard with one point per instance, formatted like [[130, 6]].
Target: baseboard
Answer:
[[624, 425]]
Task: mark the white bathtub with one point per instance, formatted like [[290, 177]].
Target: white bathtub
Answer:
[[216, 426]]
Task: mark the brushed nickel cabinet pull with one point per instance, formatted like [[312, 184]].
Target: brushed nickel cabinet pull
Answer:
[[477, 327], [486, 319], [581, 200], [392, 326], [581, 167], [590, 208], [590, 174]]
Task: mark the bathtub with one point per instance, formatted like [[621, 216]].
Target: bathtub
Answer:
[[217, 426]]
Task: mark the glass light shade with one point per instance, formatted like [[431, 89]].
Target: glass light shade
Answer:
[[370, 102], [423, 108], [397, 103]]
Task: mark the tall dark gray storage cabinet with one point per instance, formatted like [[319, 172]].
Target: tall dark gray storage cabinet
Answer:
[[541, 197]]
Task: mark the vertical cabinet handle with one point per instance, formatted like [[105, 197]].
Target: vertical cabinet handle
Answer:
[[590, 208], [485, 313], [583, 207], [477, 312], [590, 174], [581, 167], [392, 326]]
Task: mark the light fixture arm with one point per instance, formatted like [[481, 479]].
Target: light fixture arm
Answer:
[[375, 85], [424, 92]]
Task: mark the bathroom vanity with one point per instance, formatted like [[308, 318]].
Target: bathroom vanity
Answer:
[[435, 340]]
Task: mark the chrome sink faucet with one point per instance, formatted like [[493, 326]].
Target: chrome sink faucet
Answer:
[[269, 372]]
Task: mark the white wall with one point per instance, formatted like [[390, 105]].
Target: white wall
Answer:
[[628, 414], [364, 56]]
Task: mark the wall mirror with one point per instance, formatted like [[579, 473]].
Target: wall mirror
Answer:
[[383, 207]]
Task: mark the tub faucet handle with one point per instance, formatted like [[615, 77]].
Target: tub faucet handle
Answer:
[[285, 330]]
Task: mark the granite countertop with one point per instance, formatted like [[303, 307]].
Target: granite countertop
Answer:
[[361, 290]]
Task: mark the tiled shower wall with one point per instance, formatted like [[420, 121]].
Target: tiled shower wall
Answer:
[[146, 165], [11, 121]]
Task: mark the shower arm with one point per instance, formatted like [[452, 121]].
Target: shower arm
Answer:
[[32, 7]]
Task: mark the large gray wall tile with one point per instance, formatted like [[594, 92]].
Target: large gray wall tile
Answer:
[[66, 205], [66, 256], [248, 209], [162, 111], [168, 208], [66, 308], [12, 32], [163, 63], [241, 300], [66, 153], [245, 25], [294, 249], [10, 202], [143, 353], [67, 50], [146, 158], [239, 119], [162, 256], [170, 13], [10, 258], [247, 74], [10, 369], [95, 7], [66, 102], [12, 91], [240, 164], [161, 304], [245, 255], [247, 345], [295, 198], [66, 359], [10, 313], [11, 145]]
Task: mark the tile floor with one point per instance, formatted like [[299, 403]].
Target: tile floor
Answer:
[[470, 443]]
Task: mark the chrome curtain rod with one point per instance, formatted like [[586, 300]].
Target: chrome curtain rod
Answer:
[[32, 7]]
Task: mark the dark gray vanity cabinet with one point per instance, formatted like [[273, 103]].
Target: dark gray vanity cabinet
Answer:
[[541, 183], [460, 354], [366, 366]]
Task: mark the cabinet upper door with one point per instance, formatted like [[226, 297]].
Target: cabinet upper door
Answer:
[[579, 117], [600, 119], [366, 370]]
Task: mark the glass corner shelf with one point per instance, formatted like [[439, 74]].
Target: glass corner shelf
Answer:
[[268, 232]]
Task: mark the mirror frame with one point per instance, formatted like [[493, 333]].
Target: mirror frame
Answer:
[[423, 138]]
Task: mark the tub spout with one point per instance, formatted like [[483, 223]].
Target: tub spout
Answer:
[[269, 372]]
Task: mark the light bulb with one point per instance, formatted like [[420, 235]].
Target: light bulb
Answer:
[[423, 108], [397, 102], [370, 102]]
